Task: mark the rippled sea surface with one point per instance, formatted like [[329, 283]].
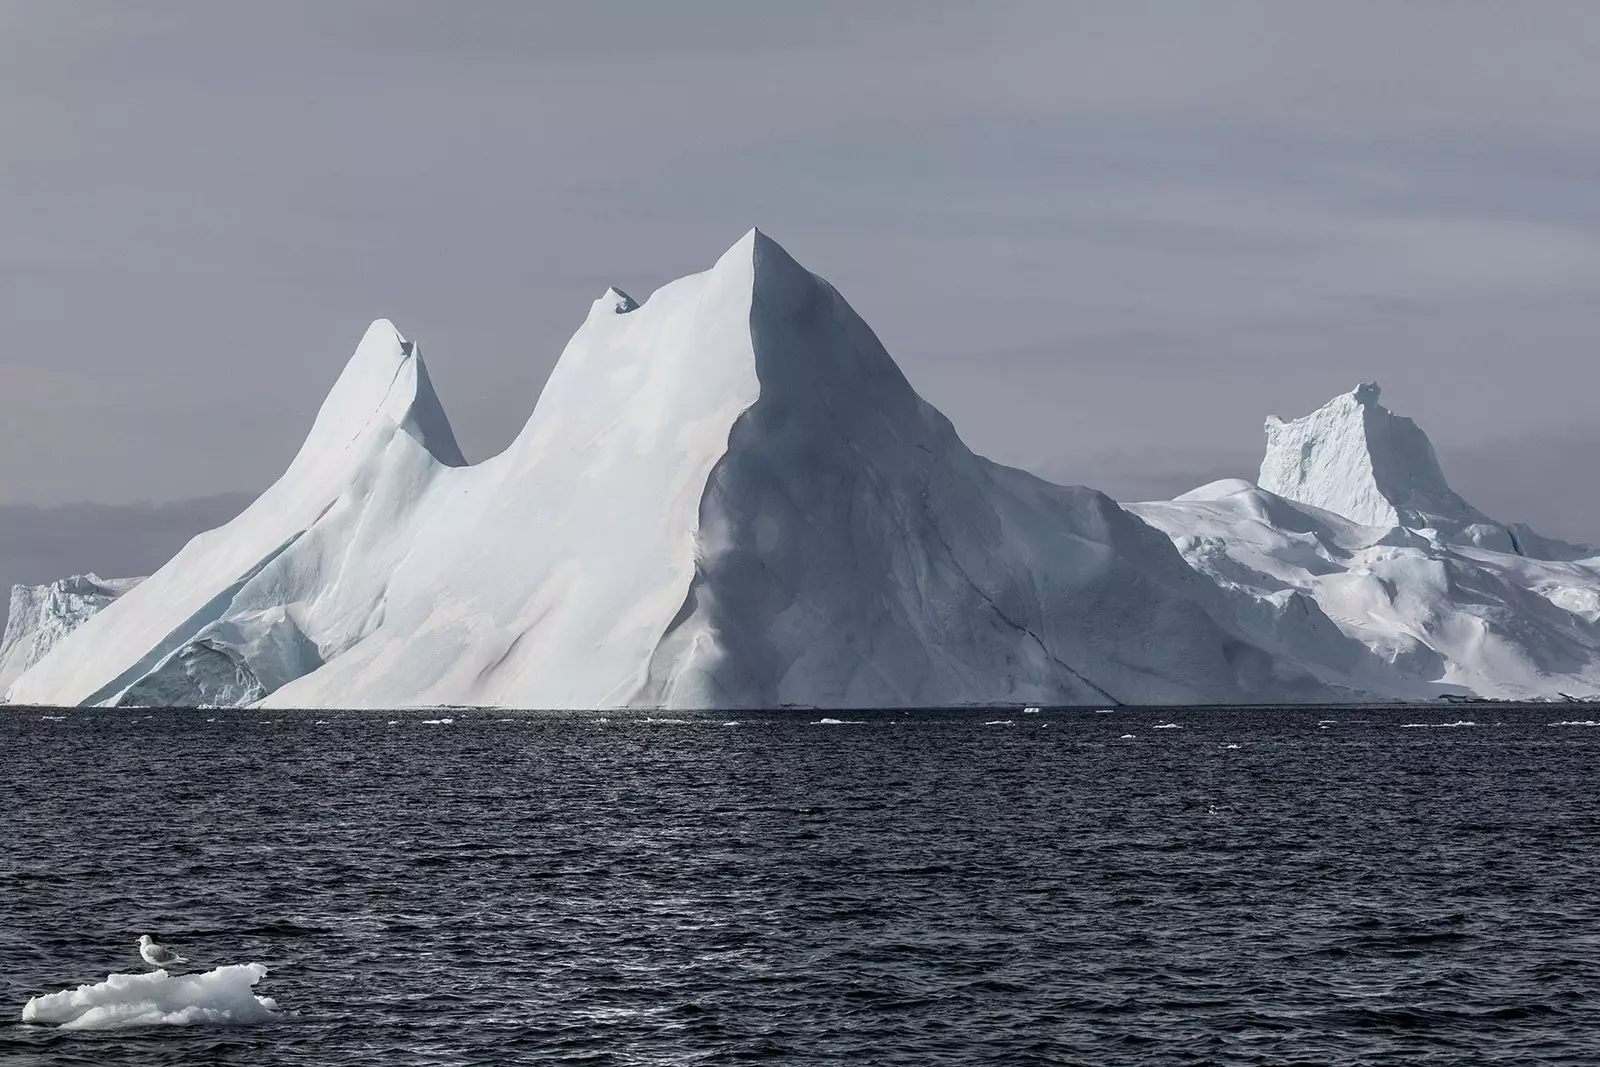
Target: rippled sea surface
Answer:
[[1250, 887]]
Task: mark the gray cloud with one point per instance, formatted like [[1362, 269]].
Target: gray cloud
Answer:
[[1106, 239]]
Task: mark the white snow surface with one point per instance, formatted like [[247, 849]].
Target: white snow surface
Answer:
[[1399, 609], [41, 615], [293, 579], [728, 496], [1357, 459], [221, 996]]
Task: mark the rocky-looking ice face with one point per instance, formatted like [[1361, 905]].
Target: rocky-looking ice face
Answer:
[[41, 615], [1355, 458]]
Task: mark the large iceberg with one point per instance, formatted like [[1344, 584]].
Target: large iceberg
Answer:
[[729, 496], [726, 496]]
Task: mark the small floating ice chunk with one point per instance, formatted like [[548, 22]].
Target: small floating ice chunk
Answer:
[[1030, 711], [437, 722], [1576, 722], [1167, 726], [838, 722], [1104, 711], [1126, 737], [1230, 746], [157, 999], [1000, 722], [54, 718], [1434, 725]]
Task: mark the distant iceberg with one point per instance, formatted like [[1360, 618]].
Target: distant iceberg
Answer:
[[1357, 559], [41, 615]]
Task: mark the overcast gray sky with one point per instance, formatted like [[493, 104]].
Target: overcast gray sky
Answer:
[[1106, 239]]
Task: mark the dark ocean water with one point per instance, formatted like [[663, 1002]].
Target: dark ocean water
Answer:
[[1251, 888]]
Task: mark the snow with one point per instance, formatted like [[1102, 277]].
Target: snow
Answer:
[[728, 496], [41, 615], [229, 618], [156, 998], [1365, 567], [1355, 458]]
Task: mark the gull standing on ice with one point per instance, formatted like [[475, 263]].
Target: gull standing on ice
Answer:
[[157, 955]]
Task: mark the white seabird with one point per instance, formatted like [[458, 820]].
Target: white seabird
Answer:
[[157, 955]]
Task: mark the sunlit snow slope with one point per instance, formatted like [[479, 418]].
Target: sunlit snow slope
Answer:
[[293, 580], [728, 496]]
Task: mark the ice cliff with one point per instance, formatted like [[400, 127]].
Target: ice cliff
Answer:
[[1357, 459], [728, 495], [41, 615]]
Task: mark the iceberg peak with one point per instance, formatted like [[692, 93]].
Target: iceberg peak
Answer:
[[1356, 458], [385, 378]]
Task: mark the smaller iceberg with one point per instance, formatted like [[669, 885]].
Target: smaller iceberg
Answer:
[[222, 996]]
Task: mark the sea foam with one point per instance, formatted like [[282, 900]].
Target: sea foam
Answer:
[[222, 996]]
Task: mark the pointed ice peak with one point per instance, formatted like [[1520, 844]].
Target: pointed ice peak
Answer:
[[775, 277], [610, 304], [384, 378], [1354, 457]]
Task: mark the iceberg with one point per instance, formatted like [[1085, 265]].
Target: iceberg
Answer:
[[1360, 562], [1357, 459], [728, 496], [226, 620], [221, 996], [41, 615]]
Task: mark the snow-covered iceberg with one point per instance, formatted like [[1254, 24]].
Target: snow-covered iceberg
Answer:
[[217, 997], [1365, 566], [41, 615], [729, 496], [1357, 459], [294, 578]]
